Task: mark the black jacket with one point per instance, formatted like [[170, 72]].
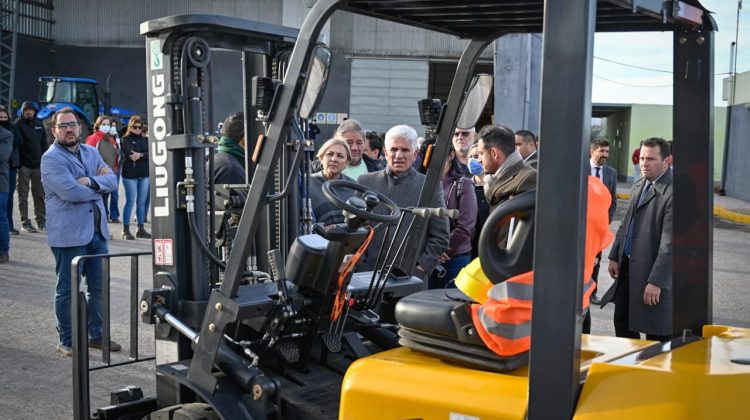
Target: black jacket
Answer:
[[227, 169], [34, 142], [139, 168]]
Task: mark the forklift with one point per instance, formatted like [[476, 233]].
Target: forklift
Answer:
[[261, 341]]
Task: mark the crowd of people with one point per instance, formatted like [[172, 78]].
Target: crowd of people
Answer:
[[74, 185]]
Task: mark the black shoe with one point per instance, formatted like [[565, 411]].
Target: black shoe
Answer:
[[142, 233], [4, 258], [29, 228], [126, 233], [14, 231], [42, 227]]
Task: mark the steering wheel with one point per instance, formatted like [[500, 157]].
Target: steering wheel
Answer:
[[500, 264], [330, 191]]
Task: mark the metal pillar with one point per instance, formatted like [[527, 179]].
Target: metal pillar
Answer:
[[554, 365], [693, 128], [8, 46], [461, 82]]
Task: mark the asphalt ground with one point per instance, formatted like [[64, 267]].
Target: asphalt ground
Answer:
[[36, 381]]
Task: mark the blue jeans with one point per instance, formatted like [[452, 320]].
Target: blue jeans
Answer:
[[452, 267], [12, 184], [4, 226], [136, 192], [92, 272], [113, 212]]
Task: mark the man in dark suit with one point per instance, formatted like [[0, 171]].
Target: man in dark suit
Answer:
[[526, 143], [641, 256], [599, 150]]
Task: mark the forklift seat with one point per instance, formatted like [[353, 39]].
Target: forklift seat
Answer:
[[438, 322]]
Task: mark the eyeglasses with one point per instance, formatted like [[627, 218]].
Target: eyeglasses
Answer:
[[462, 133], [64, 126], [137, 127]]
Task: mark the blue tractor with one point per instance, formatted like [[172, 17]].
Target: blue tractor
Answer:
[[78, 93]]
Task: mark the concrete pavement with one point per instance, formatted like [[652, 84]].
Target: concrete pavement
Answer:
[[727, 208]]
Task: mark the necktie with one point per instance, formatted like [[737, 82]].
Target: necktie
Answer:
[[629, 236], [598, 175]]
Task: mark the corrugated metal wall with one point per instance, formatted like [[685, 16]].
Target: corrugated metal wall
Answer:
[[112, 23], [385, 92], [35, 18], [363, 35], [738, 171]]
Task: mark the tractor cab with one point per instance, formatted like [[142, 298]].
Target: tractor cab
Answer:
[[59, 92]]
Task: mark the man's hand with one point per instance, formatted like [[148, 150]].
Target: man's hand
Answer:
[[651, 294], [443, 258], [614, 269], [84, 180], [102, 170]]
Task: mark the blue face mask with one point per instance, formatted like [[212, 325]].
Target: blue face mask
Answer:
[[475, 167]]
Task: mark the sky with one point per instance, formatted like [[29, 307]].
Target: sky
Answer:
[[653, 50]]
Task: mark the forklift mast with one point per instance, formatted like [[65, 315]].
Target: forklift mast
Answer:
[[181, 136]]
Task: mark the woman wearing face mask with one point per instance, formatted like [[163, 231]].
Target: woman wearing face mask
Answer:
[[458, 192], [476, 169], [105, 140], [13, 164], [335, 157], [135, 177]]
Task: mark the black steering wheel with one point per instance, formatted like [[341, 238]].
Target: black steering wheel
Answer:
[[498, 263], [330, 191]]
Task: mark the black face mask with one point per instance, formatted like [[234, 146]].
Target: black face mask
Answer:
[[5, 124]]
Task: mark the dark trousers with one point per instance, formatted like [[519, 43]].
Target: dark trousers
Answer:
[[622, 307]]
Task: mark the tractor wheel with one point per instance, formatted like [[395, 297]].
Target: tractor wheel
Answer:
[[192, 411]]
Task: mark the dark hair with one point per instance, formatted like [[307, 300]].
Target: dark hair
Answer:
[[599, 142], [66, 110], [527, 136], [498, 136], [375, 142], [665, 149], [234, 126]]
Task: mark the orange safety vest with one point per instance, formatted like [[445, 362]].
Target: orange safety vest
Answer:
[[503, 320]]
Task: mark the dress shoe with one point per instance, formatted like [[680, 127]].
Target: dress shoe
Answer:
[[97, 344]]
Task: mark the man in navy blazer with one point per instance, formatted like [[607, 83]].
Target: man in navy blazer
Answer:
[[599, 151], [74, 177]]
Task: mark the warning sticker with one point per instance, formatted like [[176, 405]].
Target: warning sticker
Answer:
[[168, 259], [159, 251]]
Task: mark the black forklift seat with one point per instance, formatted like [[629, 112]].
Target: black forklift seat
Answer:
[[438, 322]]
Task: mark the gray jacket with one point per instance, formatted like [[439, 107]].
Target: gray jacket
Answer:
[[650, 256], [6, 149], [404, 190]]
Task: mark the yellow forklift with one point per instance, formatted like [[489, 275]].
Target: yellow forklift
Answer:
[[245, 347]]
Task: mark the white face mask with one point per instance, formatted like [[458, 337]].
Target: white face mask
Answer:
[[104, 129], [112, 130]]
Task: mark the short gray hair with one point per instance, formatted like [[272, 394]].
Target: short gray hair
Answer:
[[349, 126], [403, 132]]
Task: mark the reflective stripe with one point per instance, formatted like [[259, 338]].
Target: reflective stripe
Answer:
[[508, 331], [512, 290]]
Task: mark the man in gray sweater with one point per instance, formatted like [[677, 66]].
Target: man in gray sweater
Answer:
[[400, 182]]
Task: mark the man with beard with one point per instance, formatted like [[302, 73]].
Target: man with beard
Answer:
[[400, 182], [599, 150], [463, 139], [74, 177], [33, 147]]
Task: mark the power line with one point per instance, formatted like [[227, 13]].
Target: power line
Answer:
[[632, 65], [631, 85]]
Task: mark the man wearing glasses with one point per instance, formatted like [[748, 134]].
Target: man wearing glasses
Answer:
[[463, 139], [74, 176]]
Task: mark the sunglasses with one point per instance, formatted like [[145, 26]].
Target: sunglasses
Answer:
[[137, 127], [462, 133]]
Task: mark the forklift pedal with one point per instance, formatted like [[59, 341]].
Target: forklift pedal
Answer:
[[288, 351], [332, 342], [355, 345]]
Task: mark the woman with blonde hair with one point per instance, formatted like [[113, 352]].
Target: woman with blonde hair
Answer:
[[335, 156], [135, 177]]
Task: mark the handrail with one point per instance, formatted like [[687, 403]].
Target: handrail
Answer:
[[79, 321]]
